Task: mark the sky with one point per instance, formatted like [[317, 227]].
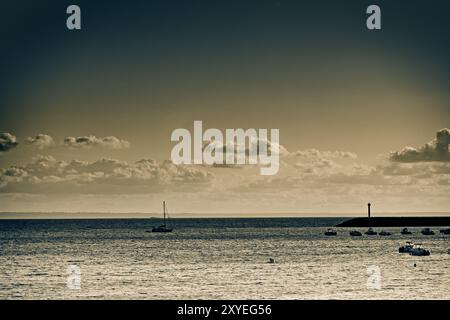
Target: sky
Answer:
[[86, 115]]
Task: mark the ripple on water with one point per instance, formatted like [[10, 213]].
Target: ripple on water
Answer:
[[222, 263]]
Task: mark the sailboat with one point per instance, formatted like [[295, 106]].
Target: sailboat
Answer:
[[370, 231], [163, 227]]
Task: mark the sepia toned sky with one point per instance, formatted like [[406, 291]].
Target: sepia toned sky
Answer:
[[86, 116]]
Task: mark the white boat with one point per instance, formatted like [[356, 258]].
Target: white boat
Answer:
[[330, 232], [407, 248], [417, 250]]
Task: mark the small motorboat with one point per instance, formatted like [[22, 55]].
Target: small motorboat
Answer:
[[370, 232], [418, 251], [427, 232], [355, 233], [330, 232], [385, 233], [407, 248], [405, 231], [445, 231]]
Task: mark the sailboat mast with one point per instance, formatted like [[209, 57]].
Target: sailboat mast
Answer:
[[164, 209]]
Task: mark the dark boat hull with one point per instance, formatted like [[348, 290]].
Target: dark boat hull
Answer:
[[162, 230]]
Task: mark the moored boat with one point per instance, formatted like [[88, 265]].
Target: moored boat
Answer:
[[355, 233], [405, 231], [370, 232], [427, 232], [330, 232], [385, 233], [163, 227], [419, 251], [407, 248]]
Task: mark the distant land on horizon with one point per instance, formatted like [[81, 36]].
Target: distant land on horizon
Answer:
[[142, 215]]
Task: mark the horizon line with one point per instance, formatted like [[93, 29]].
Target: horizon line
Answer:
[[4, 215]]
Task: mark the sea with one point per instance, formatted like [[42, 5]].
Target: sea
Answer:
[[215, 259]]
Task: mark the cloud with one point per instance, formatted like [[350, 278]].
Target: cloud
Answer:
[[239, 148], [435, 150], [314, 153], [110, 142], [220, 149], [7, 142], [319, 163], [414, 169], [41, 141], [45, 174]]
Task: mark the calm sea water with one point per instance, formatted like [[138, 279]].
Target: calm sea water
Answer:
[[214, 259]]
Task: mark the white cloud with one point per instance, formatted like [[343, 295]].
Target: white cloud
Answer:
[[251, 144], [435, 150], [45, 174], [318, 154], [7, 142], [41, 141], [110, 142]]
